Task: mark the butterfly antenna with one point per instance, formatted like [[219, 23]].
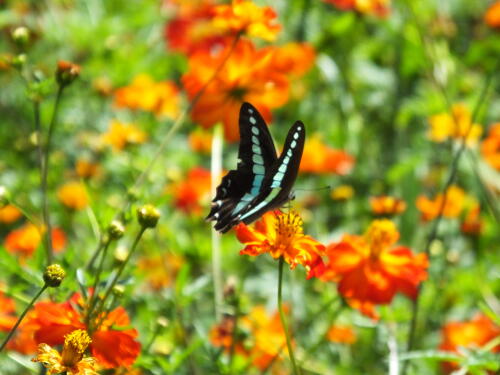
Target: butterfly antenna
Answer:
[[327, 187]]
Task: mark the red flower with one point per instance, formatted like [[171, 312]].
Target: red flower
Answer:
[[190, 194], [492, 15], [25, 240], [320, 158], [370, 271], [7, 311], [379, 8], [472, 334], [113, 342], [281, 235]]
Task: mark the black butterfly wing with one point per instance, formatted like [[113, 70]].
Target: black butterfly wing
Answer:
[[278, 183], [256, 156]]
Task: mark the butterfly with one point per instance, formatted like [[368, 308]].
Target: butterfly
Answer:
[[261, 181]]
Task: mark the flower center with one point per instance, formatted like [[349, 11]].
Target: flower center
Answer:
[[288, 226], [75, 345], [380, 235]]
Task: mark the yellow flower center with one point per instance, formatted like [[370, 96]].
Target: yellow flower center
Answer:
[[288, 226], [75, 345], [380, 235]]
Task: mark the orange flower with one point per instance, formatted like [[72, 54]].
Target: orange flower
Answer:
[[9, 214], [121, 134], [71, 360], [387, 205], [192, 28], [190, 195], [472, 224], [281, 235], [73, 195], [160, 270], [319, 158], [86, 169], [492, 15], [113, 341], [490, 148], [453, 204], [285, 58], [7, 311], [25, 240], [456, 125], [261, 339], [379, 8], [161, 98], [370, 271], [244, 17], [472, 334], [247, 75], [341, 334], [200, 141]]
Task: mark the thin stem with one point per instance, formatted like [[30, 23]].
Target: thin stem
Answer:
[[97, 251], [282, 318], [99, 309], [22, 316], [215, 171], [45, 170], [93, 297]]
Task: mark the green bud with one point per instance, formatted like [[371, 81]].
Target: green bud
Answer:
[[148, 216], [21, 35], [54, 275], [116, 230]]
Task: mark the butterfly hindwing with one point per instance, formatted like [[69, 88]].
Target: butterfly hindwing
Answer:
[[261, 181]]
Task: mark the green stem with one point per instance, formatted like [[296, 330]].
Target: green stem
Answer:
[[45, 170], [90, 264], [93, 297], [282, 318], [99, 309], [22, 316]]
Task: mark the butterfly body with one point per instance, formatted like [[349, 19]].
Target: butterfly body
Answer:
[[261, 181]]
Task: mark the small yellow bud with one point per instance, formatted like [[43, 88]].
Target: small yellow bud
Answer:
[[116, 230], [19, 61], [118, 290], [21, 35], [54, 275], [148, 216]]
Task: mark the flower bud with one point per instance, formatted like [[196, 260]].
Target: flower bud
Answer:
[[54, 275], [148, 216], [4, 196], [66, 72], [116, 230], [21, 35], [19, 61], [118, 290]]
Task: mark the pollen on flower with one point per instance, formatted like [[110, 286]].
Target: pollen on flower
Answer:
[[75, 345], [380, 234], [287, 226]]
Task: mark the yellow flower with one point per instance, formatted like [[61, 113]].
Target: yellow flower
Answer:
[[71, 360], [456, 125], [120, 135], [73, 195]]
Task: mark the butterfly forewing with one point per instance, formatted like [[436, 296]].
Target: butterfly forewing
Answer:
[[256, 155]]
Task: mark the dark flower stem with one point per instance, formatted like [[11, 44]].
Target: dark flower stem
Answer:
[[93, 297], [22, 316], [45, 170], [282, 318], [99, 308]]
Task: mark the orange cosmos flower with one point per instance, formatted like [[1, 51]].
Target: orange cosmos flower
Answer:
[[190, 195], [7, 311], [341, 335], [492, 15], [192, 29], [200, 140], [260, 337], [456, 125], [244, 17], [472, 334], [453, 205], [9, 214], [161, 98], [370, 270], [25, 240], [319, 158], [121, 134], [387, 205], [281, 235], [472, 224], [160, 270], [379, 8], [113, 341], [73, 195], [293, 58], [247, 75], [71, 360], [86, 169], [490, 147]]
